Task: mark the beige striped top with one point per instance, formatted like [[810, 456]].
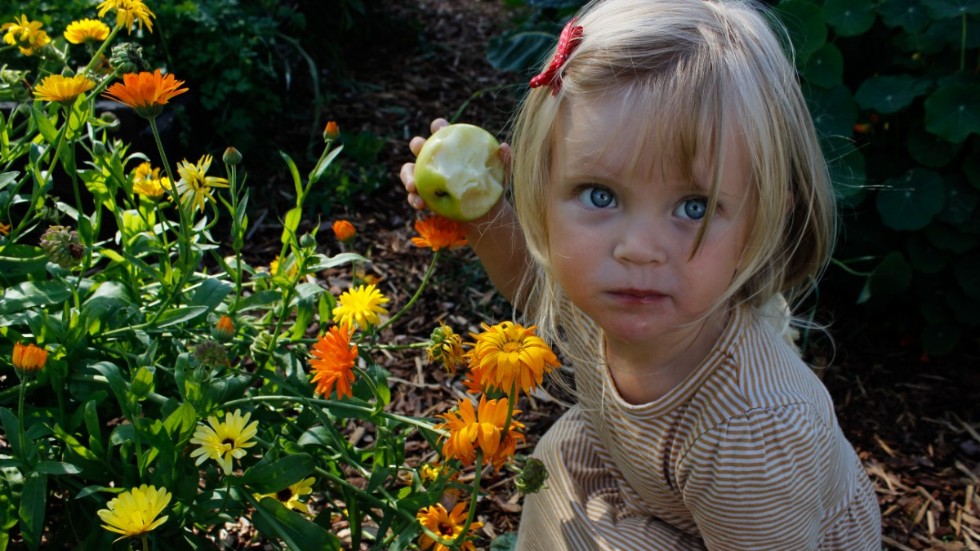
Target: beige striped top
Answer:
[[745, 453]]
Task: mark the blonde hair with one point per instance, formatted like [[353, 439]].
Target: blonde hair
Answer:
[[697, 70]]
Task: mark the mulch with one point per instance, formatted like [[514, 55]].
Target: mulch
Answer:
[[914, 420]]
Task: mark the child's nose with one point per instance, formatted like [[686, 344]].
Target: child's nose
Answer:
[[641, 242]]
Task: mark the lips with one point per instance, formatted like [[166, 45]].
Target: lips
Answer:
[[636, 296]]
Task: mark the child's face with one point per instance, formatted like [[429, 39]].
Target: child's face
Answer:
[[621, 238]]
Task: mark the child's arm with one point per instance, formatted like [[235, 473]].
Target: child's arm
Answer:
[[496, 236]]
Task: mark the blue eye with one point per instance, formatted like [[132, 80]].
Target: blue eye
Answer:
[[692, 208], [598, 197]]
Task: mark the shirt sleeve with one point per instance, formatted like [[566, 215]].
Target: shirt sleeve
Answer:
[[756, 481]]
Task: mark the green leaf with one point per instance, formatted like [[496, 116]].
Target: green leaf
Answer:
[[910, 202], [925, 257], [940, 339], [961, 202], [276, 521], [825, 67], [18, 260], [320, 262], [929, 149], [504, 542], [324, 163], [804, 21], [29, 294], [950, 238], [953, 111], [258, 300], [888, 94], [519, 52], [11, 430], [294, 172], [45, 126], [179, 315], [849, 17], [211, 292], [942, 9], [907, 14], [57, 468], [890, 278], [967, 272], [290, 224], [834, 111], [271, 477], [33, 499]]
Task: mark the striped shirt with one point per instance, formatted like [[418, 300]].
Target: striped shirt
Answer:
[[745, 453]]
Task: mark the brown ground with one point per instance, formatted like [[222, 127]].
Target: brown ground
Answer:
[[914, 422]]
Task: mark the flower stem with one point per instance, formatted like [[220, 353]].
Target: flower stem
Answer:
[[474, 495], [418, 292], [20, 415]]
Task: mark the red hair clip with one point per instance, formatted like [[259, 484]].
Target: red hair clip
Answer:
[[569, 40]]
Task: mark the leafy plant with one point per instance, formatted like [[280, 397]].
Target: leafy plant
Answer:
[[157, 385]]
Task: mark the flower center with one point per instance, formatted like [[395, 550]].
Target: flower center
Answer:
[[284, 495]]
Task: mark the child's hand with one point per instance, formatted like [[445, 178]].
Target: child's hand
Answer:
[[407, 173]]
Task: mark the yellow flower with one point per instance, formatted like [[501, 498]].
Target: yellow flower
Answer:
[[447, 525], [224, 440], [29, 357], [289, 497], [128, 12], [194, 187], [148, 182], [437, 232], [134, 512], [447, 347], [332, 361], [146, 92], [508, 354], [482, 429], [361, 307], [86, 30], [27, 35], [62, 89]]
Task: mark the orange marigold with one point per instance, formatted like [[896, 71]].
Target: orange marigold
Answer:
[[146, 92], [29, 358], [224, 329], [447, 525], [344, 230], [507, 354], [437, 232], [482, 428], [332, 361], [331, 131]]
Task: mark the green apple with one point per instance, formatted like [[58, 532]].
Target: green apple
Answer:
[[459, 173]]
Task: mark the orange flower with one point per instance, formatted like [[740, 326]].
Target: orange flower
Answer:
[[29, 357], [224, 329], [438, 232], [332, 362], [482, 429], [447, 525], [344, 230], [508, 354], [146, 92], [331, 131]]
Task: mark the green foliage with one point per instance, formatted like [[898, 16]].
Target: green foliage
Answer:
[[893, 89]]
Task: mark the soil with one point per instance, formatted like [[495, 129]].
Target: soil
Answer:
[[914, 421]]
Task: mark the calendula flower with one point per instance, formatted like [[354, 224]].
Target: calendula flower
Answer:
[[430, 472], [225, 440], [211, 353], [482, 429], [27, 35], [331, 131], [146, 92], [332, 361], [437, 232], [361, 306], [86, 30], [446, 347], [29, 358], [128, 12], [278, 267], [194, 186], [4, 229], [63, 246], [507, 354], [447, 525], [148, 183], [62, 89], [343, 230], [289, 497], [134, 512], [224, 329]]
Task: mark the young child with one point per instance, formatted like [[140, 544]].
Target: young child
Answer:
[[668, 190]]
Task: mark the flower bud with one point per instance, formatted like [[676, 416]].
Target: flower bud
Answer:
[[28, 358], [445, 346], [127, 58], [532, 476], [331, 131], [62, 246], [307, 241], [99, 148], [232, 156], [224, 329], [109, 119], [344, 230], [211, 353]]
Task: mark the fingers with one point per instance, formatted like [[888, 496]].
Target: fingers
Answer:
[[437, 124], [506, 156], [415, 145], [407, 176]]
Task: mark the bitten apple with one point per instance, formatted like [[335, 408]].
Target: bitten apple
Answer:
[[459, 172]]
